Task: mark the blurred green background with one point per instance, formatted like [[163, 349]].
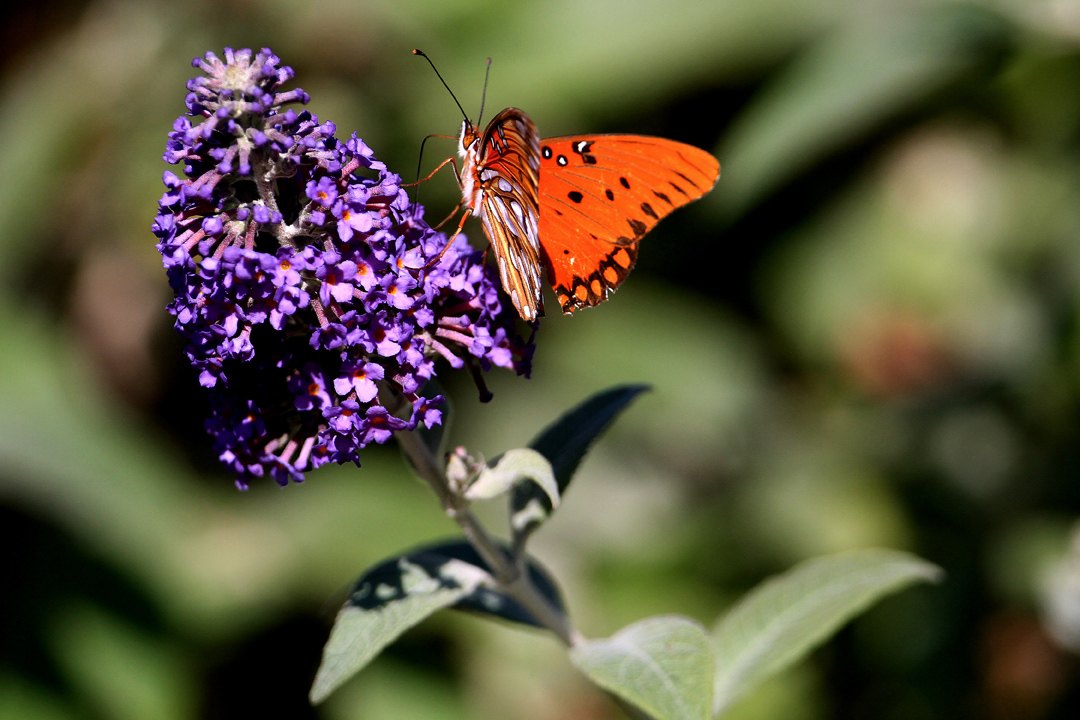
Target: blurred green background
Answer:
[[867, 335]]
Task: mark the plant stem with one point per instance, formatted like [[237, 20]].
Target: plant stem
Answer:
[[264, 182], [511, 579]]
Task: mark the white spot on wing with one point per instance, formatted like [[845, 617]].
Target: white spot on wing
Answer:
[[503, 216], [518, 212]]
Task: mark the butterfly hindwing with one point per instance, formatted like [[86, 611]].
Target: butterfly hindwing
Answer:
[[599, 195], [506, 168]]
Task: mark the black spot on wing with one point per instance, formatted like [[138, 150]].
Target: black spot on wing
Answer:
[[575, 196], [585, 185], [646, 169], [638, 227], [647, 209], [610, 195], [647, 172]]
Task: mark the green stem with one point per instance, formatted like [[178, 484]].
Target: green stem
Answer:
[[511, 579]]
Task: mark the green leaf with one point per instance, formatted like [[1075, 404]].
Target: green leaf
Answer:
[[789, 615], [514, 467], [23, 699], [662, 665], [486, 599], [882, 64], [564, 444], [118, 670], [385, 602], [401, 592]]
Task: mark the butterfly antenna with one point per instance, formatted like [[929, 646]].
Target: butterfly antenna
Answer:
[[421, 54], [419, 164], [483, 95]]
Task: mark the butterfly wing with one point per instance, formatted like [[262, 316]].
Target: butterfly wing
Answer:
[[507, 167], [599, 195]]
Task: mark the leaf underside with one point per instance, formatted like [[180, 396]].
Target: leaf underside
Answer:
[[564, 444], [662, 665], [787, 616], [401, 592]]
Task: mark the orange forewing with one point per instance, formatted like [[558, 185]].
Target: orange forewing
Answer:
[[599, 195]]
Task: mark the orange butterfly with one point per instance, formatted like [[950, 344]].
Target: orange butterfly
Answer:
[[577, 205]]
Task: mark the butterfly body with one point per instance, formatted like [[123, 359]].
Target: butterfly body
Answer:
[[577, 206]]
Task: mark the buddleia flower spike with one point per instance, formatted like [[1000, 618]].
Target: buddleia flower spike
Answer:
[[301, 279]]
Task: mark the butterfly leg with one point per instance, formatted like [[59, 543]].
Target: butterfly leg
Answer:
[[439, 167], [450, 242]]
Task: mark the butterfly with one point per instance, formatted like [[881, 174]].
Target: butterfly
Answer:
[[577, 206]]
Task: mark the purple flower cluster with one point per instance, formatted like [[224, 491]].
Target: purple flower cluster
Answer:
[[310, 291]]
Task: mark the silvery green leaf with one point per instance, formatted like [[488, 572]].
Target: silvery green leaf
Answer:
[[488, 600], [564, 444], [401, 592], [512, 468], [850, 82], [385, 602], [662, 665], [787, 616]]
